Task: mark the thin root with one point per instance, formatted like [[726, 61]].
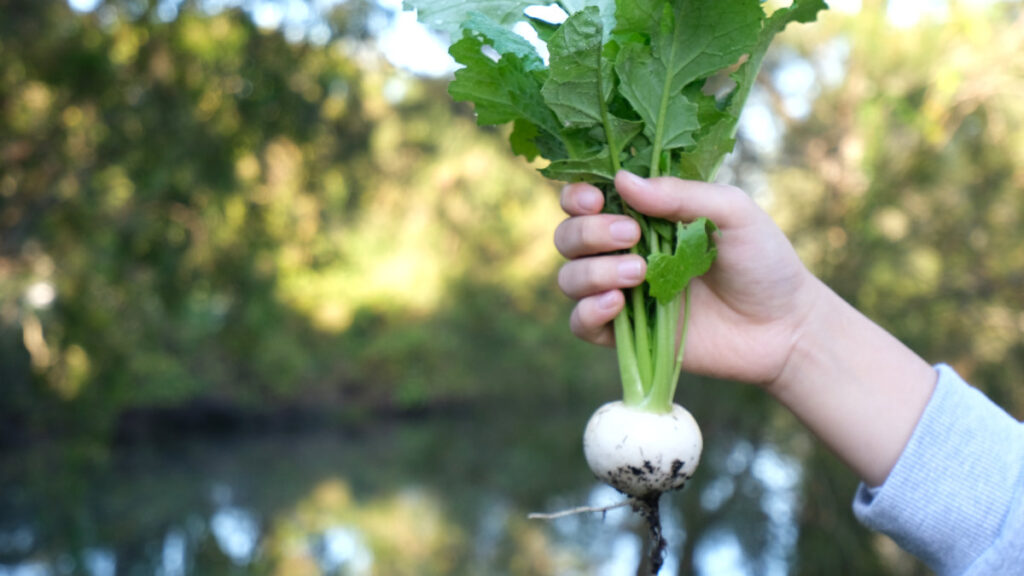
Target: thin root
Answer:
[[579, 510], [646, 507]]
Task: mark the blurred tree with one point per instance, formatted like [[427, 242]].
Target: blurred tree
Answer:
[[197, 207], [133, 195]]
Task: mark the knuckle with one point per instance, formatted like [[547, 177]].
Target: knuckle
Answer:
[[735, 195], [590, 275], [561, 238], [740, 205], [565, 279], [589, 236]]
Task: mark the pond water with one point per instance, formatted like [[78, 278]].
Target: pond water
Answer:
[[441, 495]]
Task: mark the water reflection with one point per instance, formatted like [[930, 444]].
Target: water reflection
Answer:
[[173, 558], [344, 550], [236, 532], [423, 498], [26, 569], [100, 562]]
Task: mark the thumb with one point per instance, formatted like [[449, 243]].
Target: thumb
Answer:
[[686, 200]]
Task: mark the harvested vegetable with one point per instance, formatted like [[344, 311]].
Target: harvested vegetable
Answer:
[[625, 87]]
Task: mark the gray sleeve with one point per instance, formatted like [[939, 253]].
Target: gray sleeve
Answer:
[[955, 498]]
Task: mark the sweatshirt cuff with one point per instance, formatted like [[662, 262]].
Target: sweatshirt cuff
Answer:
[[947, 498]]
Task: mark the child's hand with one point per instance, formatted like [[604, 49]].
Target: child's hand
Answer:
[[758, 316], [748, 311]]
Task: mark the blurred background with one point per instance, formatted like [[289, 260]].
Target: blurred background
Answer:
[[270, 303]]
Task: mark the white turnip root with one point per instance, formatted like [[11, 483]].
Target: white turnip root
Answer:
[[641, 453]]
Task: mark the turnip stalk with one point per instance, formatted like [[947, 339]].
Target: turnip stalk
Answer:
[[623, 88]]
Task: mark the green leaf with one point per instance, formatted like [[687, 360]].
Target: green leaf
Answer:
[[592, 169], [643, 82], [524, 139], [702, 161], [447, 15], [606, 8], [624, 131], [504, 41], [714, 141], [802, 11], [669, 274], [696, 38], [689, 40], [544, 29], [551, 146], [480, 82], [799, 11], [502, 91], [637, 17], [640, 163], [581, 82], [578, 90]]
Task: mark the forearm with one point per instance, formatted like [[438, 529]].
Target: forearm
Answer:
[[855, 386], [955, 498]]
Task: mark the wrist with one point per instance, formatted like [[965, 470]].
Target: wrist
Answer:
[[807, 332], [854, 385]]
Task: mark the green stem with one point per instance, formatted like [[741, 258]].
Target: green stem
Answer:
[[641, 334], [661, 396], [659, 399], [613, 145], [682, 342], [632, 343], [629, 373]]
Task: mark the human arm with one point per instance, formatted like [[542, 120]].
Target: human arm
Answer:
[[955, 498], [758, 316], [943, 466]]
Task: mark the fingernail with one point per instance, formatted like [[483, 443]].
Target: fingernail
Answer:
[[624, 231], [631, 270], [590, 200], [632, 179], [608, 300]]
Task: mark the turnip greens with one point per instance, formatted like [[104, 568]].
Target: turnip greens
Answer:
[[624, 89]]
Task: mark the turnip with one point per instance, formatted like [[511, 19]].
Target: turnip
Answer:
[[624, 88], [640, 453]]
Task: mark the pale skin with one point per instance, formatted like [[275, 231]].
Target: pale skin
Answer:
[[759, 316]]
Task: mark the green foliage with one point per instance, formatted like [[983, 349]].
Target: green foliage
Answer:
[[624, 95], [614, 97], [213, 207], [669, 274]]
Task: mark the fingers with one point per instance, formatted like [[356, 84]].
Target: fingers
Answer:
[[592, 317], [595, 282], [686, 200], [595, 234], [580, 199], [589, 276]]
